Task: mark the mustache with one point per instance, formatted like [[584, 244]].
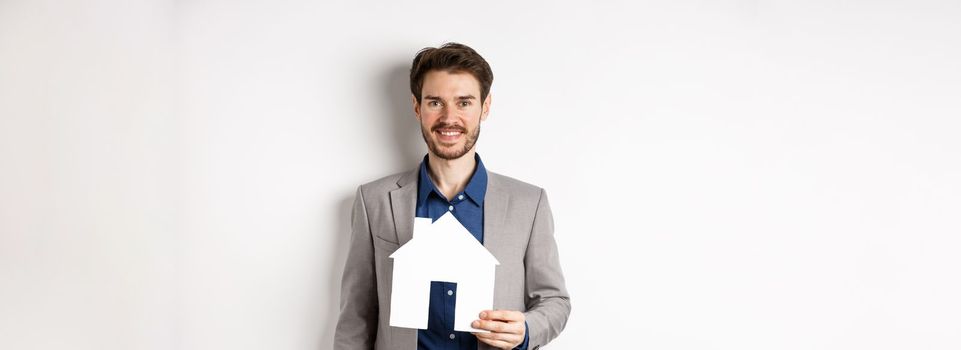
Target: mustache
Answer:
[[448, 127]]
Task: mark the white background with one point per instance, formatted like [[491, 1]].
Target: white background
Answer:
[[723, 174]]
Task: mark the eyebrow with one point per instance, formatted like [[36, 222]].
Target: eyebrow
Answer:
[[466, 97]]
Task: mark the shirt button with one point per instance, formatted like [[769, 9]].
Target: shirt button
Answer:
[[450, 292], [452, 335], [460, 197], [451, 208]]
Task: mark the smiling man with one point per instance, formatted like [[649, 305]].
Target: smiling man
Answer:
[[450, 89]]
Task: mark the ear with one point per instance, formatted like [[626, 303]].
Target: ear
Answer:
[[416, 104], [486, 107]]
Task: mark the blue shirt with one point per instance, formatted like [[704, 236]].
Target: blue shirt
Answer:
[[468, 208]]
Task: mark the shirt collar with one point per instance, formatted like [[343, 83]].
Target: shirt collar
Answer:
[[475, 190]]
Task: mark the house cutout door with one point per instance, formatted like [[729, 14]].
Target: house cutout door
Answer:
[[443, 299]]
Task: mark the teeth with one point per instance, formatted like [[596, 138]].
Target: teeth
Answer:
[[449, 133]]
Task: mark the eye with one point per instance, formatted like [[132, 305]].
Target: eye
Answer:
[[464, 103], [433, 103]]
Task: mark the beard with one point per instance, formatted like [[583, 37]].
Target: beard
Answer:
[[446, 152]]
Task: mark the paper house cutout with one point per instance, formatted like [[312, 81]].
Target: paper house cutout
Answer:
[[441, 251]]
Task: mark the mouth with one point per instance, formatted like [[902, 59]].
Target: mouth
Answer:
[[449, 135]]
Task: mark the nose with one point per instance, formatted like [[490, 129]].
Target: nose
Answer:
[[445, 114]]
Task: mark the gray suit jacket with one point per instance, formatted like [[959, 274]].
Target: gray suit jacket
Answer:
[[518, 231]]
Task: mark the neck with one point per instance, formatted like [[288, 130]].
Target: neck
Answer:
[[451, 176]]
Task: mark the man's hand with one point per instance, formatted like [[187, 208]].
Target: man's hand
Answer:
[[506, 328]]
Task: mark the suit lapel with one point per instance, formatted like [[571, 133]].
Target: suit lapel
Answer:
[[495, 209], [403, 201]]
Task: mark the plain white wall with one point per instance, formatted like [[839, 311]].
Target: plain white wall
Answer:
[[723, 174]]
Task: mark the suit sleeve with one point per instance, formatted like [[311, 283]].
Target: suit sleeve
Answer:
[[548, 303], [357, 324]]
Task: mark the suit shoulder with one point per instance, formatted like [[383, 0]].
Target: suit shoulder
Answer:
[[387, 183], [384, 184], [513, 185]]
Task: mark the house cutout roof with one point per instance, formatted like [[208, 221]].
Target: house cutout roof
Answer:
[[444, 239]]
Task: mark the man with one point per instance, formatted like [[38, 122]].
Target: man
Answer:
[[512, 219]]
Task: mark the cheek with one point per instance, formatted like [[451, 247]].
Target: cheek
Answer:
[[427, 120], [429, 117]]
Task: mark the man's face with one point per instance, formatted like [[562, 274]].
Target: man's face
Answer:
[[450, 112]]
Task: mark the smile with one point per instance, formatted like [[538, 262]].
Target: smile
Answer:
[[449, 136]]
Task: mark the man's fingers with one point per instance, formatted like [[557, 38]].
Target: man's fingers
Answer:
[[506, 328], [493, 326], [492, 336], [498, 340], [500, 344], [503, 315]]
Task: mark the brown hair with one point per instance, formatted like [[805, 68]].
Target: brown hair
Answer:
[[454, 58]]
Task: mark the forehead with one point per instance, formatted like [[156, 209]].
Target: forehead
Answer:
[[443, 83]]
